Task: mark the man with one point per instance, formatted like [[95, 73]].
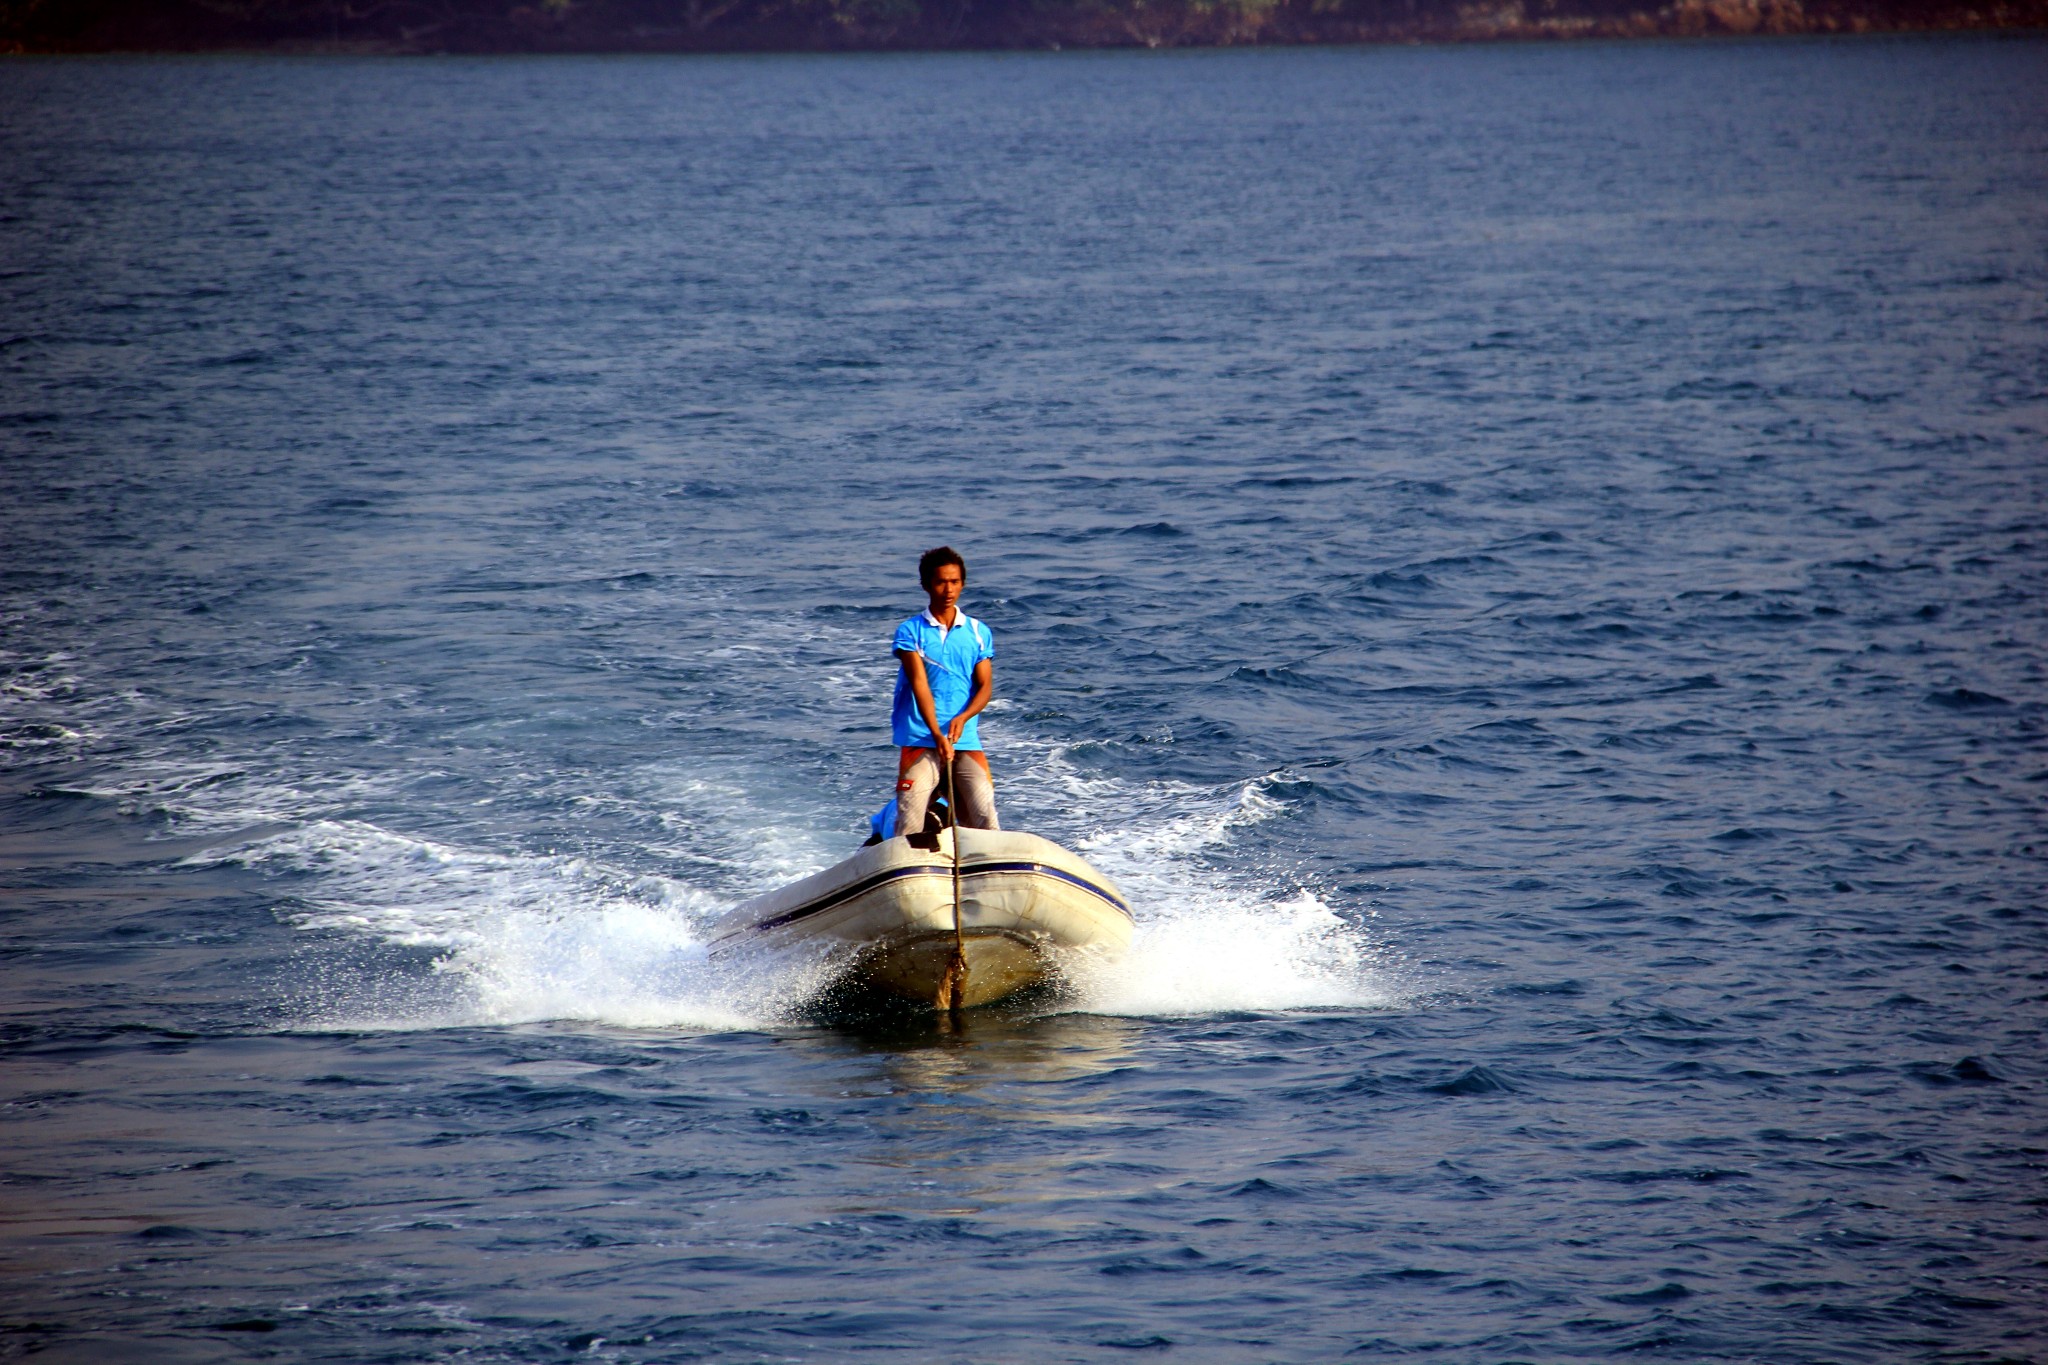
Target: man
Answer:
[[947, 675]]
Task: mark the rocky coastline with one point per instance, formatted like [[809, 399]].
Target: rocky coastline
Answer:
[[484, 26]]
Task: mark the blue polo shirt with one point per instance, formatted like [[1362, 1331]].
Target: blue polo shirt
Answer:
[[949, 659]]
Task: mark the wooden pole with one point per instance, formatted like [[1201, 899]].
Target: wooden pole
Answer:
[[953, 985]]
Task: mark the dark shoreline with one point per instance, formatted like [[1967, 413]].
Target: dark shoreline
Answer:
[[425, 27]]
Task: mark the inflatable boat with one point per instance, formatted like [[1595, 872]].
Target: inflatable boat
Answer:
[[1026, 907]]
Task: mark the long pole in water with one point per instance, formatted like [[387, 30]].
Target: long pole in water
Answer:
[[954, 985]]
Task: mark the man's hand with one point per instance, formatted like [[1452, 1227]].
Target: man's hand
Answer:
[[947, 738]]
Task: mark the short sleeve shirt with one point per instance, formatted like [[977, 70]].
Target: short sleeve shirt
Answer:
[[950, 656]]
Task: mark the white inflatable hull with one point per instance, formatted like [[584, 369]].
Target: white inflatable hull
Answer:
[[1025, 904]]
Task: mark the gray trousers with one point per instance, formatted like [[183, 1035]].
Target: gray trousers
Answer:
[[974, 793]]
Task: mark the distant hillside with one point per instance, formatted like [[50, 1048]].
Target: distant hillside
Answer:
[[814, 25]]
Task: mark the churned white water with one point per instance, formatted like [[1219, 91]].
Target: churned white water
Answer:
[[522, 938]]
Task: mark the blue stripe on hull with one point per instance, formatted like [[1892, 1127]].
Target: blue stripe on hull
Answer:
[[838, 898]]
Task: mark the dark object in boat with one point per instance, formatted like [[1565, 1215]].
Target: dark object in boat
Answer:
[[937, 816]]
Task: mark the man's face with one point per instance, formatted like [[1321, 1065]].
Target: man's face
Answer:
[[947, 581]]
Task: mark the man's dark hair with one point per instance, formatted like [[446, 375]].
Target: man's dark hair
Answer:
[[931, 561]]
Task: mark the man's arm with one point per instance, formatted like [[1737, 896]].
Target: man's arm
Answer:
[[984, 688], [921, 691]]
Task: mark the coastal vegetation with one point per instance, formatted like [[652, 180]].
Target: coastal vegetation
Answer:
[[811, 25]]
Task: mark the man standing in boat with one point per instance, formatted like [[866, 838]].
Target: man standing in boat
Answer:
[[946, 677]]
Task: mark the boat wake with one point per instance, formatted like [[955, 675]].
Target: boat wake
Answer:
[[515, 938], [399, 930]]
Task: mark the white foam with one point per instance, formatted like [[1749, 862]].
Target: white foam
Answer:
[[520, 938], [1216, 953], [39, 712], [1210, 939], [625, 965]]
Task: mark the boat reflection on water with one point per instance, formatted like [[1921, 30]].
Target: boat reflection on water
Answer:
[[998, 1111], [967, 1052]]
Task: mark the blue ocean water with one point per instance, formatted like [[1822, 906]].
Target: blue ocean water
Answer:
[[1526, 563]]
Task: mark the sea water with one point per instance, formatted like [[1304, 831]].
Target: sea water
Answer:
[[1525, 563]]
